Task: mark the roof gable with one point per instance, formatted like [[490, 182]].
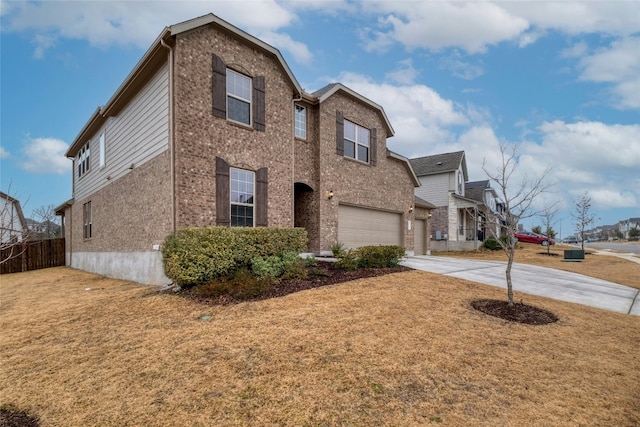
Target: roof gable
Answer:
[[440, 163], [325, 92]]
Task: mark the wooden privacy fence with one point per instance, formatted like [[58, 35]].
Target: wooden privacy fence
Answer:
[[27, 256]]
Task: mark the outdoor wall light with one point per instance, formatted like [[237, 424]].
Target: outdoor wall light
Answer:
[[330, 194], [429, 216], [410, 208]]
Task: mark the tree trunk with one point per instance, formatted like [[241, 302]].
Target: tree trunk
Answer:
[[508, 274]]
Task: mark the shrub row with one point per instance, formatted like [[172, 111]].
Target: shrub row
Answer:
[[198, 255], [371, 256]]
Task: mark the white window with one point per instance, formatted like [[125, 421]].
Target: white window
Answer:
[[238, 97], [356, 141], [82, 159], [460, 192], [301, 122], [102, 153], [242, 197], [86, 219]]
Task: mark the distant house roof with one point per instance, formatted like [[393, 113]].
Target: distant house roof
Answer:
[[16, 203], [440, 163], [423, 203], [475, 189]]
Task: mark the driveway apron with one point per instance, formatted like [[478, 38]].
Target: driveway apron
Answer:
[[542, 281]]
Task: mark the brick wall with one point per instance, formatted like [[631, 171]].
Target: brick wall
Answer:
[[387, 186], [200, 137], [131, 214]]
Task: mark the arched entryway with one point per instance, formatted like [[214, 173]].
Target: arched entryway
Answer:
[[307, 213]]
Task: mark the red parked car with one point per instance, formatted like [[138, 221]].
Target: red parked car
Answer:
[[530, 237]]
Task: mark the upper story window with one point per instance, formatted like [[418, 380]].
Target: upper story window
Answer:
[[300, 122], [242, 197], [356, 141], [238, 97], [87, 231], [102, 148], [460, 184], [82, 160]]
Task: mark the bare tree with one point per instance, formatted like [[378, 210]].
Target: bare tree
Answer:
[[582, 216], [48, 227], [548, 214], [518, 200]]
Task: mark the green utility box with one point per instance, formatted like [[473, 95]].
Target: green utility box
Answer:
[[574, 255]]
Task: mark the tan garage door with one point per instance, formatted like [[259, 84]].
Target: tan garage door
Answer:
[[420, 237], [361, 227]]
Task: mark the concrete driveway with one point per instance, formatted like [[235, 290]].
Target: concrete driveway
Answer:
[[547, 282]]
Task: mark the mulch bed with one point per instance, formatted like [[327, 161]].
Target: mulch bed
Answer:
[[518, 312], [326, 273], [11, 417]]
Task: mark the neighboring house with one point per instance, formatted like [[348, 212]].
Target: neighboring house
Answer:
[[625, 226], [490, 209], [13, 225], [454, 222], [212, 128]]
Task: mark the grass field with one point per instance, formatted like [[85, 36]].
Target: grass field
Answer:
[[406, 349]]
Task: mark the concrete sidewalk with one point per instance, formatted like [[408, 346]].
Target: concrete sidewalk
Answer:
[[547, 282]]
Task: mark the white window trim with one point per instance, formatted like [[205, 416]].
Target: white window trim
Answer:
[[358, 127], [102, 148], [232, 203], [249, 101], [83, 159], [295, 121]]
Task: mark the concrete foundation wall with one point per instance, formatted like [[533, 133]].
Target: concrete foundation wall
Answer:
[[141, 267]]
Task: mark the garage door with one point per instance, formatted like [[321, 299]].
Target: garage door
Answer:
[[420, 237], [361, 227]]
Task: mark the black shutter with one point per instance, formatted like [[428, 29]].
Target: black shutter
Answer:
[[339, 133], [373, 146], [223, 203], [259, 103], [219, 87], [262, 198]]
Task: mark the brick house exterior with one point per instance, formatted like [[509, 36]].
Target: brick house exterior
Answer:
[[211, 128]]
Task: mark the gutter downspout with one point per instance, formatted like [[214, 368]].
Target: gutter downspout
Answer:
[[171, 139]]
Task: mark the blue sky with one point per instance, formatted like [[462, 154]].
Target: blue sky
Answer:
[[561, 79]]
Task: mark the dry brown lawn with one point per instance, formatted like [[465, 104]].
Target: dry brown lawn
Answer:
[[406, 349], [604, 267]]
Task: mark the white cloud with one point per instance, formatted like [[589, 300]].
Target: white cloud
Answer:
[[459, 68], [578, 50], [404, 74], [138, 23], [45, 155], [419, 115], [3, 153], [619, 64], [471, 26], [299, 51]]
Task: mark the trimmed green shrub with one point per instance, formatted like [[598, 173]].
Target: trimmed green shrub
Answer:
[[310, 261], [492, 244], [199, 255], [294, 266], [348, 260], [337, 249], [379, 256], [268, 269]]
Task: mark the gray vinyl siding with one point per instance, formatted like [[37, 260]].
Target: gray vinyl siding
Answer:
[[435, 188], [136, 135]]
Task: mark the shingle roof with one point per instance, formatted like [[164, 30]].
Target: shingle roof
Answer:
[[439, 163], [422, 202], [475, 189]]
